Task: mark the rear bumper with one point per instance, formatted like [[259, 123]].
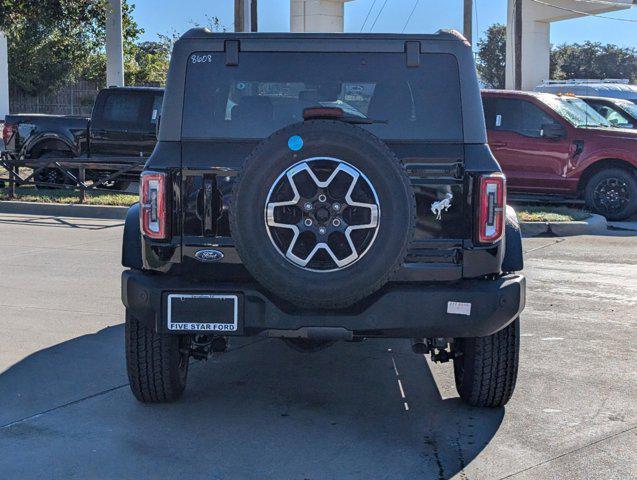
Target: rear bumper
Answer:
[[398, 310]]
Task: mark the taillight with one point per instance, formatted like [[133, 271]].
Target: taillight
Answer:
[[7, 132], [153, 204], [491, 208]]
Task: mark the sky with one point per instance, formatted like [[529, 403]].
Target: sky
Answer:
[[167, 16]]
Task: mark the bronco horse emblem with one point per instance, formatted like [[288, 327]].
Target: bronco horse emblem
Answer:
[[439, 206]]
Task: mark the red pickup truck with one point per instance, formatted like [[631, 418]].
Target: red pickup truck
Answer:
[[559, 147]]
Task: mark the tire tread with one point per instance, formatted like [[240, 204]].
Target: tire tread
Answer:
[[491, 367], [152, 361]]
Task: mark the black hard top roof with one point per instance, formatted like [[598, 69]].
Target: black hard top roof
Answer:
[[204, 33], [235, 45]]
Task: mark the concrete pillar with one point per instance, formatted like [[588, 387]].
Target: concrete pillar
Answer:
[[536, 49], [536, 34], [244, 10], [324, 16], [4, 77], [114, 44]]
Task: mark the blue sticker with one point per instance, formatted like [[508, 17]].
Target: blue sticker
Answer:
[[295, 143]]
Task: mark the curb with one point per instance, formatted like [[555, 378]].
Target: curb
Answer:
[[629, 226], [595, 225], [63, 210]]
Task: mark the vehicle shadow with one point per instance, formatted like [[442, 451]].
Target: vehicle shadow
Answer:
[[262, 410]]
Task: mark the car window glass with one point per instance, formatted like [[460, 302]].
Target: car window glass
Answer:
[[574, 110], [122, 108], [268, 91], [628, 107], [126, 111], [615, 118], [489, 106], [519, 116], [156, 109]]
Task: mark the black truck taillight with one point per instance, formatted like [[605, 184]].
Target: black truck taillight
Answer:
[[491, 208], [153, 204], [8, 131]]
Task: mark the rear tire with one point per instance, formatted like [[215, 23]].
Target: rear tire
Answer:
[[156, 364], [612, 192], [486, 368], [52, 175]]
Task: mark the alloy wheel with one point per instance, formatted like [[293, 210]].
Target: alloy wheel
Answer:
[[322, 214]]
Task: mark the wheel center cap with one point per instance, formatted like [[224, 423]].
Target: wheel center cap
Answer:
[[322, 214]]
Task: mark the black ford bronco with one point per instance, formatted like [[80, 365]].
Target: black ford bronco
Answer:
[[318, 188]]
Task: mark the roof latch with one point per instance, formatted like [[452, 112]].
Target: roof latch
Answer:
[[412, 49], [232, 52]]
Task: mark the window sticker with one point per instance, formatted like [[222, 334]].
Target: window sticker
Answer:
[[498, 120]]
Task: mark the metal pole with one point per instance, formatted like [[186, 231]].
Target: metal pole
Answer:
[[467, 29], [82, 179], [4, 77], [517, 32], [238, 15], [253, 16], [13, 179], [114, 44], [245, 15]]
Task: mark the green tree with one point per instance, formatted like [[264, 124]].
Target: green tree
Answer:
[[53, 42], [585, 60], [152, 59], [593, 60], [491, 62]]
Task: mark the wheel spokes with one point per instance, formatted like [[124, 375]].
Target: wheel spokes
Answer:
[[321, 231]]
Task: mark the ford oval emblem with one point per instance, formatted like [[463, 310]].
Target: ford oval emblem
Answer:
[[208, 256]]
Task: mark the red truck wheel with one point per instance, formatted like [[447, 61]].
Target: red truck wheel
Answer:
[[612, 192]]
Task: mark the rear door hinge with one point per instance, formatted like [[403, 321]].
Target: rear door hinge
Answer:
[[232, 52]]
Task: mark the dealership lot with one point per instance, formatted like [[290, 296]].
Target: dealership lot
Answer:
[[365, 410]]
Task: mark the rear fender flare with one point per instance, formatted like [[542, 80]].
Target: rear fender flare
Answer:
[[34, 142], [132, 241], [513, 256]]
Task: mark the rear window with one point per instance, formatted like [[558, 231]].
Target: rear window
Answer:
[[268, 91], [122, 108], [132, 110]]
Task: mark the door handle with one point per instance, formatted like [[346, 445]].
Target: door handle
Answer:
[[497, 144]]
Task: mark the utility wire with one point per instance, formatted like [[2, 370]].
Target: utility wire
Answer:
[[367, 17], [378, 16], [409, 17], [584, 13]]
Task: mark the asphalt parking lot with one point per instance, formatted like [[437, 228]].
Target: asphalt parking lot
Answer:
[[264, 411]]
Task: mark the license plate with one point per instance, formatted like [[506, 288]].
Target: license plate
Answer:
[[203, 312]]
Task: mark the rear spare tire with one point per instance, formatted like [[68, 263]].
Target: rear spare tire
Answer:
[[322, 214]]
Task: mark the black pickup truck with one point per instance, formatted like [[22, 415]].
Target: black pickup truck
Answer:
[[120, 132]]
